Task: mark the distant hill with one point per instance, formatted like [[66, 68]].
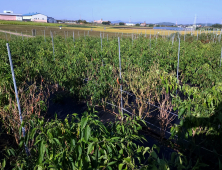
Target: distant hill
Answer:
[[165, 23], [203, 24], [118, 21], [161, 23]]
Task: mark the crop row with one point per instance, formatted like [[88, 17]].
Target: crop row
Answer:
[[148, 71]]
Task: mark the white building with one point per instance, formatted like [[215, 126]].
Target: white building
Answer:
[[190, 28], [10, 16], [35, 17], [19, 18], [98, 21], [129, 24]]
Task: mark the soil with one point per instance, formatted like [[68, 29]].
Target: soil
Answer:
[[67, 105]]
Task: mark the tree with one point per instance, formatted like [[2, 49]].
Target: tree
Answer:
[[137, 24], [217, 26], [121, 23], [82, 21], [106, 22]]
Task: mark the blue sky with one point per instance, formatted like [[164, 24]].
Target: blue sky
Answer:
[[151, 11]]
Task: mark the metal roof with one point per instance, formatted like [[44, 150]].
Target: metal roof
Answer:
[[12, 14], [30, 14]]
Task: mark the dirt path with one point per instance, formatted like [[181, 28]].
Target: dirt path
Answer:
[[14, 33]]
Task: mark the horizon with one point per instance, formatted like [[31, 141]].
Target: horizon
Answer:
[[181, 12]]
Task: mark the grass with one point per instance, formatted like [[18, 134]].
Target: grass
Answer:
[[64, 32], [29, 23], [80, 26]]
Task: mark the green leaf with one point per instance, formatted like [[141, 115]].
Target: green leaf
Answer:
[[128, 159], [153, 154], [12, 151], [32, 133], [39, 167], [80, 151], [72, 163], [94, 139], [139, 149], [145, 150], [109, 167], [87, 133], [190, 132], [121, 151], [57, 141], [72, 142], [83, 122], [123, 129], [21, 143], [156, 147], [181, 122], [90, 148], [181, 112], [3, 163], [115, 138], [41, 152], [120, 166], [109, 149], [49, 134], [111, 163]]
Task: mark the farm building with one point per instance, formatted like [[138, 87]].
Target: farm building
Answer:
[[35, 17], [51, 20], [10, 16], [129, 24], [98, 22], [143, 24]]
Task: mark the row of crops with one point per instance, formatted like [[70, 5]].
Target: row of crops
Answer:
[[189, 108]]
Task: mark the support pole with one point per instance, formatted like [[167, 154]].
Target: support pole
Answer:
[[132, 39], [65, 35], [178, 62], [6, 37], [184, 35], [44, 34], [101, 49], [53, 44], [220, 57], [120, 76], [73, 36], [17, 97], [197, 34], [150, 39]]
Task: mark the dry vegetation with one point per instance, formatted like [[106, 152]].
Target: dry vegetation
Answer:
[[94, 31]]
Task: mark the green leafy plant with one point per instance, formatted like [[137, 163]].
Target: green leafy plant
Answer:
[[82, 143]]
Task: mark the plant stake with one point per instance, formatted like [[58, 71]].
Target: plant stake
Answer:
[[16, 93], [121, 87]]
